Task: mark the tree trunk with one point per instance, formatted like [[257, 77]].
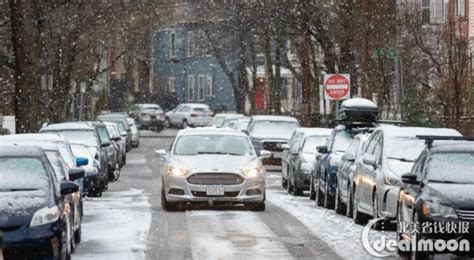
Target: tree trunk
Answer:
[[277, 82], [305, 63]]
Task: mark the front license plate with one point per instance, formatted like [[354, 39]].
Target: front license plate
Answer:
[[215, 190]]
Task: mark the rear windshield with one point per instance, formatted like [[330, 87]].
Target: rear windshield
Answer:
[[285, 128], [20, 174]]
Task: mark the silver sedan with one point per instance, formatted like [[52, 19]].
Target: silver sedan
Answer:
[[210, 165]]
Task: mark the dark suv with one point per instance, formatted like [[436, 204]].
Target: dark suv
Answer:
[[438, 192], [33, 206]]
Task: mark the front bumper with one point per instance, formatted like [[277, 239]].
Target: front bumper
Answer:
[[303, 180], [178, 189], [33, 242]]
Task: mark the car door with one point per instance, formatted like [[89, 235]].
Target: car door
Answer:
[[285, 157], [173, 115], [344, 171], [294, 151], [182, 114], [364, 172]]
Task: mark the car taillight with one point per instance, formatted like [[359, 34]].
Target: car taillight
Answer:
[[194, 115]]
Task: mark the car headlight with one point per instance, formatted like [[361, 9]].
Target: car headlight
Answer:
[[45, 216], [393, 181], [253, 172], [176, 171], [435, 209]]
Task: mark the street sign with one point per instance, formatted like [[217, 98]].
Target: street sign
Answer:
[[337, 86]]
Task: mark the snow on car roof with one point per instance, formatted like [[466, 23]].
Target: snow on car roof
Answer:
[[210, 131], [358, 102], [68, 126], [274, 118], [20, 151], [397, 131], [195, 105], [314, 131], [49, 137], [229, 115], [452, 146], [45, 145], [148, 105]]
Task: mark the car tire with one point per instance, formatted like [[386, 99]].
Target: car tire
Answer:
[[379, 225], [95, 193], [312, 194], [359, 218], [339, 207], [167, 123], [327, 199], [184, 124], [284, 183], [349, 203], [165, 204], [289, 186], [64, 251], [319, 195], [78, 235], [402, 254]]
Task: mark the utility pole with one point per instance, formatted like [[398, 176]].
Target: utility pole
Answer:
[[305, 61]]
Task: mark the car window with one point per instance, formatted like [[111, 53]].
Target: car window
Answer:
[[184, 109], [312, 142], [103, 134], [418, 166], [57, 164], [353, 147], [378, 150], [19, 174], [370, 147]]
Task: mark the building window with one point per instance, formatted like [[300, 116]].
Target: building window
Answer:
[[460, 8], [201, 90], [191, 44], [172, 85], [425, 11], [445, 10], [208, 86], [173, 47], [191, 88]]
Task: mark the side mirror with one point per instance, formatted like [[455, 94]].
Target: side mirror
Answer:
[[348, 157], [76, 173], [410, 178], [68, 187], [322, 149], [285, 147], [80, 161], [116, 139], [105, 144], [160, 153], [245, 131], [264, 154], [369, 159], [124, 133]]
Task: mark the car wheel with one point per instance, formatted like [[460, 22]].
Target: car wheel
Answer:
[[184, 124], [284, 183], [403, 254], [375, 212], [167, 123], [65, 253], [95, 193], [358, 217], [319, 194], [327, 199], [289, 186], [349, 203], [165, 204], [117, 172], [312, 194], [78, 235], [418, 254], [339, 207]]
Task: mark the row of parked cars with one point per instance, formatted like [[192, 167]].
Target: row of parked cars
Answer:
[[44, 177], [368, 169]]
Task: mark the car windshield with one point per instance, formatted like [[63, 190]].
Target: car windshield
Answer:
[[213, 144], [455, 167], [284, 128], [22, 173], [404, 149], [87, 137], [342, 140], [312, 142]]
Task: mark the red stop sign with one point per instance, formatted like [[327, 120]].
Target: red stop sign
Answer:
[[337, 86]]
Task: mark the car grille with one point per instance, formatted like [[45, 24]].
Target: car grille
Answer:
[[466, 214], [10, 229], [202, 194], [215, 179], [273, 146]]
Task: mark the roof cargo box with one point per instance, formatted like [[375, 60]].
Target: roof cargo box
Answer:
[[358, 110]]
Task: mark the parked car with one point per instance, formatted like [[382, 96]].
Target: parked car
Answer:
[[134, 131], [438, 190], [148, 116], [119, 142], [282, 127], [346, 172], [36, 225], [357, 115], [231, 122], [209, 165], [390, 152], [85, 134], [220, 119], [189, 114], [120, 118], [301, 157], [92, 178]]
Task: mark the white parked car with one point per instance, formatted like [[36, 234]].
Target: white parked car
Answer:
[[189, 114]]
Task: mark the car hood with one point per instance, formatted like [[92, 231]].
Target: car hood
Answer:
[[459, 196], [17, 208], [211, 162]]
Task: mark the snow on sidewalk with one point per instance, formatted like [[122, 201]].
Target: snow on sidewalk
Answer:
[[115, 226], [339, 232]]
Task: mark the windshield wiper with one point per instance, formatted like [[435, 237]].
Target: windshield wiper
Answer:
[[447, 182], [236, 154], [14, 190], [401, 159]]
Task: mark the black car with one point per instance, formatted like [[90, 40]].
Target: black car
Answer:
[[439, 191], [34, 212]]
